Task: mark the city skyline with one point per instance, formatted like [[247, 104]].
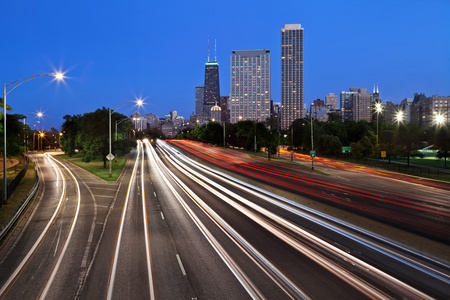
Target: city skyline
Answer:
[[158, 52]]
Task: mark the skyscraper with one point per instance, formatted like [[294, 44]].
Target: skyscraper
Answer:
[[292, 93], [331, 100], [347, 104], [199, 95], [356, 104], [250, 85], [212, 90]]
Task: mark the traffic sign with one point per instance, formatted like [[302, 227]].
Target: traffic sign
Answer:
[[383, 154], [346, 149], [110, 156], [312, 153]]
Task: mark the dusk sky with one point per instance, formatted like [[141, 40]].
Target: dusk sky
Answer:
[[114, 51]]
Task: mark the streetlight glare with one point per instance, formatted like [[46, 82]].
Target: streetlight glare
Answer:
[[400, 116], [39, 114], [378, 107], [439, 119], [140, 102], [59, 76]]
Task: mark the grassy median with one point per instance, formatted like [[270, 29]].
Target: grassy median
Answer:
[[96, 167]]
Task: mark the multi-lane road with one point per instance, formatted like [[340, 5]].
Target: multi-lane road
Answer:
[[175, 227]]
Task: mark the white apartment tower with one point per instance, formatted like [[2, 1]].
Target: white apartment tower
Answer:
[[249, 85], [292, 93]]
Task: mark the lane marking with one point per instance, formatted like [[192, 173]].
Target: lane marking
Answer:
[[68, 237], [181, 265], [147, 235], [162, 215], [24, 263]]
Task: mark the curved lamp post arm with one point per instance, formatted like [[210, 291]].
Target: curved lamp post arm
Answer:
[[14, 85], [120, 121], [25, 79]]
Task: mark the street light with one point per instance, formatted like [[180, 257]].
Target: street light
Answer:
[[110, 156], [399, 117], [58, 76], [439, 119], [41, 135], [378, 109], [118, 122], [39, 114]]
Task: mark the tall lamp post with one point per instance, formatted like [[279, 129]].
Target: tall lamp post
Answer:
[[118, 122], [378, 109], [110, 156], [39, 114], [15, 84]]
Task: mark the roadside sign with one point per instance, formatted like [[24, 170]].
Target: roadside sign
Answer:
[[110, 156], [346, 149], [312, 153], [383, 154]]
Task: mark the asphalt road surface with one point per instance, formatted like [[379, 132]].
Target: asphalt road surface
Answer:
[[174, 228]]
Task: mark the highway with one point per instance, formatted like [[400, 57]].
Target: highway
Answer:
[[174, 227]]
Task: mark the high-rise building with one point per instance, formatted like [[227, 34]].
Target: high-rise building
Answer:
[[250, 85], [405, 108], [425, 110], [356, 104], [347, 104], [331, 100], [362, 105], [390, 112], [224, 108], [212, 90], [292, 92], [375, 94], [199, 95]]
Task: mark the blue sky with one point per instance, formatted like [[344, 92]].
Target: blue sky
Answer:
[[114, 51]]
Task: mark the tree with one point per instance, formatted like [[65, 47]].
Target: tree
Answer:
[[406, 139], [441, 139], [329, 144], [90, 133], [363, 148]]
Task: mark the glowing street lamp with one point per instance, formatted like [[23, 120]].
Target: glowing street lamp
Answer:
[[110, 156], [378, 109], [439, 119], [58, 76], [39, 114], [400, 116]]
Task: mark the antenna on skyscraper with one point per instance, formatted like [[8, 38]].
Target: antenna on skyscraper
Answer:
[[208, 48], [374, 88], [377, 88], [215, 51]]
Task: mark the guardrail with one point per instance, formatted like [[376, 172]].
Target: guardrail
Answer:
[[20, 208]]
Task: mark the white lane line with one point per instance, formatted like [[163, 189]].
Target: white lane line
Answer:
[[112, 276], [41, 237], [162, 216], [181, 265], [69, 237], [147, 236], [231, 264]]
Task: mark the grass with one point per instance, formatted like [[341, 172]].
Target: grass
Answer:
[[20, 193], [96, 166], [428, 162]]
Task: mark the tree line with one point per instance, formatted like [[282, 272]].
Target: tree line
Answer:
[[328, 137], [89, 134]]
